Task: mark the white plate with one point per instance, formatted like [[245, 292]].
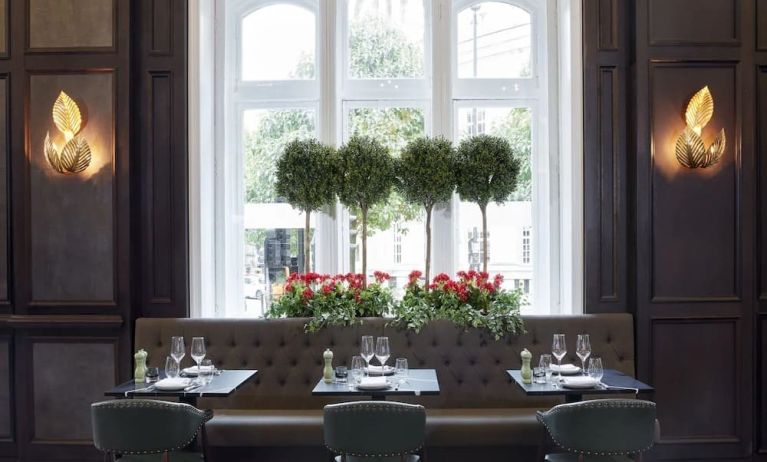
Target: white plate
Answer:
[[192, 371], [373, 383], [579, 382], [172, 384], [567, 369], [376, 370]]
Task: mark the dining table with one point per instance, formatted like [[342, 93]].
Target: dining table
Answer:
[[613, 383], [419, 382], [223, 384]]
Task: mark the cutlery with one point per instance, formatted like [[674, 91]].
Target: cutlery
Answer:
[[192, 387], [611, 387], [141, 390]]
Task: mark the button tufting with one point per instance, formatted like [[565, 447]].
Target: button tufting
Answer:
[[269, 363]]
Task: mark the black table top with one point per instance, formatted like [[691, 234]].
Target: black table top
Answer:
[[221, 386], [419, 382], [612, 378]]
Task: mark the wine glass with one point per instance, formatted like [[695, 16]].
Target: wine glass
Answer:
[[545, 364], [401, 370], [367, 349], [382, 351], [177, 349], [596, 371], [198, 351], [171, 367], [559, 350], [358, 370], [583, 350]]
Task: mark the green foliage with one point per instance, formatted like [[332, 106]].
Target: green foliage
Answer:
[[426, 171], [487, 170], [516, 129], [365, 172], [377, 50], [305, 174]]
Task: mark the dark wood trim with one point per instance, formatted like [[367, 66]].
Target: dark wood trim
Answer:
[[74, 50], [733, 42], [60, 321]]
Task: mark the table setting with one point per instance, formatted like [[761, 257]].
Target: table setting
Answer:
[[570, 380], [377, 381]]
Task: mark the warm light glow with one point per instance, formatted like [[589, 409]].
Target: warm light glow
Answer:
[[691, 151], [76, 154]]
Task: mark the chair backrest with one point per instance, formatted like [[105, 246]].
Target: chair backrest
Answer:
[[374, 428], [144, 426], [602, 427]]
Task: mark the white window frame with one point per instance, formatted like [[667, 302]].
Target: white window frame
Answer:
[[210, 84]]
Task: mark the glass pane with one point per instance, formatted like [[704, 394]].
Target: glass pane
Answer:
[[510, 225], [386, 39], [396, 240], [273, 229], [278, 43], [494, 41]]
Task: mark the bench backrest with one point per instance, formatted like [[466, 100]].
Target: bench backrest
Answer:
[[470, 363]]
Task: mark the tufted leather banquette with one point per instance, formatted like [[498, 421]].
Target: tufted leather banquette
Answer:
[[478, 405]]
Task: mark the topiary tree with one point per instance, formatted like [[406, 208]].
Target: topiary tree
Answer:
[[366, 174], [426, 176], [487, 171], [305, 177]]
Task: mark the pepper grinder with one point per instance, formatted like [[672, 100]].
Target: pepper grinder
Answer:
[[527, 372], [327, 373], [139, 374]]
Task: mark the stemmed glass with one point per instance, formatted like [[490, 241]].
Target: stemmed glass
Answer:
[[583, 350], [177, 349], [559, 350], [596, 371], [367, 350], [382, 351], [198, 351]]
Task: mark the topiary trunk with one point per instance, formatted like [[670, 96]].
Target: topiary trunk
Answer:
[[364, 247], [307, 244], [428, 244], [484, 237]]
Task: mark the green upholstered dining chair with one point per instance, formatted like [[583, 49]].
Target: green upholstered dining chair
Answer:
[[148, 431], [373, 431], [607, 430]]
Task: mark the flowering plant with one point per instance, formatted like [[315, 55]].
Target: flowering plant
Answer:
[[471, 300], [332, 300]]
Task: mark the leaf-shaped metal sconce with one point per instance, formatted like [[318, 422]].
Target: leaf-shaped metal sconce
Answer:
[[76, 154], [691, 151]]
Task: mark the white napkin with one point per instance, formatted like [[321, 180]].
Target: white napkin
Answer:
[[373, 382], [579, 382], [172, 384], [193, 370], [378, 369], [565, 368]]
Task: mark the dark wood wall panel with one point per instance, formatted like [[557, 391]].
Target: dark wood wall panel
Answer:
[[163, 272], [4, 190], [5, 389], [694, 22], [694, 212], [3, 27], [65, 369], [761, 24], [761, 146], [762, 383], [72, 216], [605, 155], [68, 24]]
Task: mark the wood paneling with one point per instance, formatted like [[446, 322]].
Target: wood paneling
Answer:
[[695, 239], [605, 156], [761, 146], [66, 369], [6, 405], [3, 27], [72, 216], [162, 27], [762, 383], [4, 190], [694, 22], [71, 24], [761, 24]]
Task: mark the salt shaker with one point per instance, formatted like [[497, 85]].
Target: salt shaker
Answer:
[[327, 373], [527, 372]]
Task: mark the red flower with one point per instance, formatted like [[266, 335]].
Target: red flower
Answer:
[[488, 287], [307, 293], [381, 276], [288, 287], [327, 289], [498, 280], [415, 274], [441, 278]]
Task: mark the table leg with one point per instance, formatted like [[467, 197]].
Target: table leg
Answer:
[[573, 398], [378, 397], [191, 400]]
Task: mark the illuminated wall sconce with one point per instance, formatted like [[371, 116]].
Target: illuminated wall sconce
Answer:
[[691, 152], [76, 154]]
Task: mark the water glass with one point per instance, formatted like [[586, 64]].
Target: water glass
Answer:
[[596, 371], [583, 350], [177, 349], [341, 374], [559, 350], [367, 348], [171, 367], [545, 364], [539, 376], [198, 351], [152, 374], [206, 372], [358, 370], [382, 351], [401, 370]]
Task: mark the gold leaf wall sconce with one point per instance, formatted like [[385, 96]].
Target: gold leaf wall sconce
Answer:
[[75, 157], [691, 151]]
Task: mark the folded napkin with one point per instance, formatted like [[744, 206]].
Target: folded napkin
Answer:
[[377, 370], [373, 382], [176, 383], [579, 382], [193, 370], [565, 368]]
